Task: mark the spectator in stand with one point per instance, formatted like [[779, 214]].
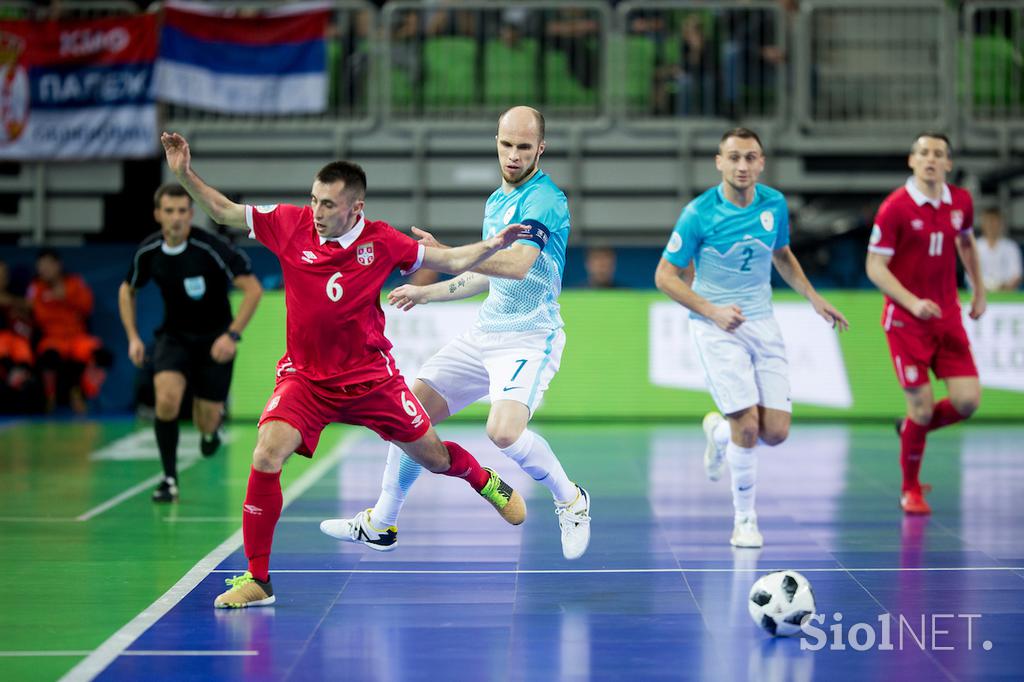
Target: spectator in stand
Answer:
[[600, 267], [1000, 257], [16, 385], [70, 360]]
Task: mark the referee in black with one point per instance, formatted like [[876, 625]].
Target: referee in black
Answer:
[[197, 341]]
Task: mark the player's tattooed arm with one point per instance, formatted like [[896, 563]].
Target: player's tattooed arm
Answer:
[[408, 296]]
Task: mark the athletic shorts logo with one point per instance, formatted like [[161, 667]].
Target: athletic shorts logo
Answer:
[[364, 254], [195, 287], [252, 509], [768, 220], [507, 218], [911, 372], [957, 219], [273, 403], [675, 242], [876, 234]]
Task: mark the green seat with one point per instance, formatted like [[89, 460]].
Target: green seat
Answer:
[[449, 73], [561, 89], [510, 73], [641, 55], [996, 77]]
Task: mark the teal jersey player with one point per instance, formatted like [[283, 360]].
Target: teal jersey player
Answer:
[[532, 302], [734, 234], [731, 247]]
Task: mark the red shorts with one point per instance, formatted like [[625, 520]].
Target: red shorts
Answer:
[[387, 406], [916, 346]]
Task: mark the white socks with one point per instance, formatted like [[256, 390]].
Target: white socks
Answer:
[[400, 473], [743, 466], [722, 433], [533, 454]]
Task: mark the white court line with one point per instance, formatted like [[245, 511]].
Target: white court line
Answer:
[[576, 571], [137, 652], [97, 661], [37, 519], [131, 492]]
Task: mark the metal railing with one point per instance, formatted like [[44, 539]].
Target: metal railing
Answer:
[[991, 68]]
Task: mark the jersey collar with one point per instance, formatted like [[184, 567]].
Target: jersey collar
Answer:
[[920, 199], [345, 240], [174, 250]]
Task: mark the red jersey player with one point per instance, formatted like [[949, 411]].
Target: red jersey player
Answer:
[[911, 259], [337, 366]]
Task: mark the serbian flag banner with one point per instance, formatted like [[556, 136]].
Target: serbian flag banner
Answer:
[[268, 62], [77, 89]]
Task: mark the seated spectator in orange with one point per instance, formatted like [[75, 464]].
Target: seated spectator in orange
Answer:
[[69, 358], [15, 332]]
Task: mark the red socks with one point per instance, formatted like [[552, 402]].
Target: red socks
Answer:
[[911, 451], [464, 465], [944, 414], [262, 508], [912, 440]]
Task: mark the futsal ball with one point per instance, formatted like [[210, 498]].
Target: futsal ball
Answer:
[[780, 601]]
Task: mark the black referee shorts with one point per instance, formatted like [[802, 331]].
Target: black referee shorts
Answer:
[[209, 380]]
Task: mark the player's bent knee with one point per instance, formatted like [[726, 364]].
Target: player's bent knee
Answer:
[[775, 437], [504, 437], [966, 406]]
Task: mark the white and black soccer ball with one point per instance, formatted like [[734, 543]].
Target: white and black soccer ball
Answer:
[[780, 601]]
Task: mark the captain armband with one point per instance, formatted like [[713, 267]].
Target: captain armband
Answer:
[[536, 233]]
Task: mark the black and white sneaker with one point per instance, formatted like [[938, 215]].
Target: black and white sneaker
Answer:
[[167, 491], [209, 443], [359, 529]]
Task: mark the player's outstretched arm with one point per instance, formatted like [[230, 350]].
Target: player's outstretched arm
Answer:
[[458, 259], [511, 263], [408, 296], [674, 282], [212, 202], [126, 306], [789, 267], [967, 249], [881, 276]]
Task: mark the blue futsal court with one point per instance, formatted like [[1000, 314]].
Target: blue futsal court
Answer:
[[660, 594]]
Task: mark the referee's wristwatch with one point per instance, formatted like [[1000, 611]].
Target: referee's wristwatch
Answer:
[[233, 335]]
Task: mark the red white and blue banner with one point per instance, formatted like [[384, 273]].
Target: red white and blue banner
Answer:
[[77, 89], [273, 62]]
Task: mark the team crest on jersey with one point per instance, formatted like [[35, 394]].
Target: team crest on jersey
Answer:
[[957, 219], [917, 223], [911, 373], [507, 218], [195, 287], [364, 253], [273, 403], [768, 220], [675, 242]]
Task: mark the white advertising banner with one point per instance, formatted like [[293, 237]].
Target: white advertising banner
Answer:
[[422, 331], [997, 340], [817, 374]]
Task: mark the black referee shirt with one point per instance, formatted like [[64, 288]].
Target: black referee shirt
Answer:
[[193, 277]]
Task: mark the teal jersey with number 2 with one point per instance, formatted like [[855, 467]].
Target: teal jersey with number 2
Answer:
[[731, 247]]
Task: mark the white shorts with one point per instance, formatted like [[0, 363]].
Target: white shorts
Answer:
[[746, 367], [503, 365]]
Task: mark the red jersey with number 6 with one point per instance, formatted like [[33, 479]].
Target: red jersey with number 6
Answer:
[[335, 327], [920, 235]]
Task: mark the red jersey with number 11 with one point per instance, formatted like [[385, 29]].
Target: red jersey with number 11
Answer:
[[920, 235], [332, 292]]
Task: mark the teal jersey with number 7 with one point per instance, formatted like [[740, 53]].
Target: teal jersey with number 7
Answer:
[[731, 247]]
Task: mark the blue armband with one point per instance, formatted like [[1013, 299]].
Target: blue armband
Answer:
[[536, 233]]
